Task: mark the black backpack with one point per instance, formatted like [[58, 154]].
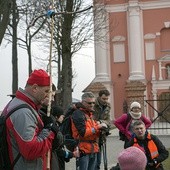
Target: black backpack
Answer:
[[5, 163], [66, 130], [121, 135]]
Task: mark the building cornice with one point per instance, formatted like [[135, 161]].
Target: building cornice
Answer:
[[143, 5], [160, 84]]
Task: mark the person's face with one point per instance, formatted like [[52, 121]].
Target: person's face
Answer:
[[104, 99], [136, 109], [89, 103], [139, 131], [45, 102], [41, 92]]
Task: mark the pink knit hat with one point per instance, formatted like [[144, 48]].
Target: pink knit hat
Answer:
[[132, 158]]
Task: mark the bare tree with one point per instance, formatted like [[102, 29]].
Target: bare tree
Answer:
[[73, 29], [11, 36], [29, 10], [15, 20], [5, 9]]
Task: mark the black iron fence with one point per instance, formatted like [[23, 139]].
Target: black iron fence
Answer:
[[161, 116]]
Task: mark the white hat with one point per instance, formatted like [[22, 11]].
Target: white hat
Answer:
[[135, 104]]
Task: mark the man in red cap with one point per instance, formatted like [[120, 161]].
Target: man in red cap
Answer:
[[27, 136]]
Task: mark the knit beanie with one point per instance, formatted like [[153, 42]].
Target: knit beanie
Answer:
[[132, 158], [39, 77], [135, 104]]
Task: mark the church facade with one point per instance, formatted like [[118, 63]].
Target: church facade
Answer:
[[133, 55]]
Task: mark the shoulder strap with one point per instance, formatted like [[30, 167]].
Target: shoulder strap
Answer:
[[128, 118], [17, 108]]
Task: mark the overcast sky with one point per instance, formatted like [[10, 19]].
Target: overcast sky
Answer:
[[83, 66]]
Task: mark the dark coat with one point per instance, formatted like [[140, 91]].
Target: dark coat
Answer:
[[163, 153]]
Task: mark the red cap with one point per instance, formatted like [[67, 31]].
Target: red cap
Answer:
[[39, 77]]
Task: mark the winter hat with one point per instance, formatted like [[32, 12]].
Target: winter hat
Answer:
[[57, 111], [132, 158], [135, 115], [135, 104], [39, 77]]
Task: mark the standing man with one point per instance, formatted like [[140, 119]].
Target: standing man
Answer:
[[102, 114], [86, 131], [153, 148], [26, 135]]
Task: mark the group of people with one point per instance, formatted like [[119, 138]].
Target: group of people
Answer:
[[143, 151], [31, 134]]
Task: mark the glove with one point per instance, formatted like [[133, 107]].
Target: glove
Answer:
[[103, 126], [53, 127], [48, 120], [153, 163]]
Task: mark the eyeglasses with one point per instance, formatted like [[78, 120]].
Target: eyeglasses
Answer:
[[90, 102]]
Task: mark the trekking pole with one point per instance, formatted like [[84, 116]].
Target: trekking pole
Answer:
[[50, 73], [104, 155]]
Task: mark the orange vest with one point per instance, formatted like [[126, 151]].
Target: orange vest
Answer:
[[151, 146], [88, 143]]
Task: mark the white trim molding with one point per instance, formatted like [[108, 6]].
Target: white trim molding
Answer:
[[143, 6]]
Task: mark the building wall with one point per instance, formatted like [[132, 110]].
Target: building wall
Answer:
[[137, 46]]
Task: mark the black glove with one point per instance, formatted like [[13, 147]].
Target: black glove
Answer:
[[153, 163], [53, 127], [48, 120]]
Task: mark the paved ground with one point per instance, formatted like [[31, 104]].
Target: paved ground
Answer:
[[114, 146]]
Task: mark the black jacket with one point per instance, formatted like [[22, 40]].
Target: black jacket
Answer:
[[163, 153]]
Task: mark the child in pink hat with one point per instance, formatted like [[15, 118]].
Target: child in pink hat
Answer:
[[132, 158]]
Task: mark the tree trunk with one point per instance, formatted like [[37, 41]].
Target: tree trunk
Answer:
[[5, 7], [29, 57], [66, 91], [14, 48]]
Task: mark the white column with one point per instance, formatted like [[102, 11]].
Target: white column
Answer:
[[154, 92], [102, 57], [160, 71], [153, 73], [136, 59]]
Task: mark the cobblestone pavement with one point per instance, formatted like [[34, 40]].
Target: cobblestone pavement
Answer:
[[114, 146]]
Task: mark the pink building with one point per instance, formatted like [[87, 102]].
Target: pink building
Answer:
[[135, 49]]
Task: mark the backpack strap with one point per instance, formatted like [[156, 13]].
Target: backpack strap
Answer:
[[6, 117], [17, 108], [128, 118]]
